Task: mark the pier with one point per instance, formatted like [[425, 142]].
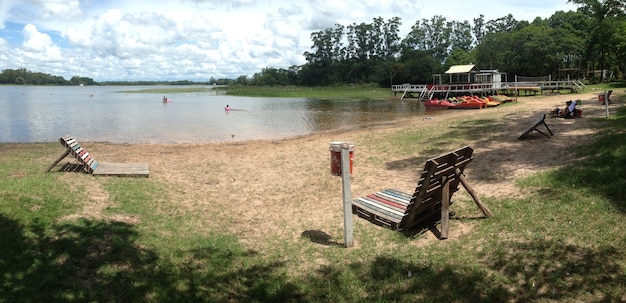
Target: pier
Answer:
[[428, 91]]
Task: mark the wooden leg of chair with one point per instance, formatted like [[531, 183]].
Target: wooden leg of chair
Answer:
[[469, 189], [445, 208], [67, 152]]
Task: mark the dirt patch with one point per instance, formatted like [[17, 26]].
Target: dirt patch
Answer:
[[279, 190], [96, 202]]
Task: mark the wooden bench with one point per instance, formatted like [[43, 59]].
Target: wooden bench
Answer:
[[534, 127], [438, 181], [91, 166]]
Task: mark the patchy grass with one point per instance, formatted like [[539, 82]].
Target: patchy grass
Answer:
[[170, 90], [350, 92], [563, 241]]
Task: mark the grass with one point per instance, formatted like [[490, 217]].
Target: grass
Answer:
[[169, 90], [563, 242], [359, 92]]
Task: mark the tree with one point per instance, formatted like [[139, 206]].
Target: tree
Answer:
[[479, 29], [459, 56], [75, 80], [431, 35], [503, 24], [604, 17], [418, 66], [461, 36]]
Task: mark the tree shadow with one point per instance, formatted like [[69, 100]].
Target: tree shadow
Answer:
[[495, 143], [102, 262], [521, 272], [96, 261]]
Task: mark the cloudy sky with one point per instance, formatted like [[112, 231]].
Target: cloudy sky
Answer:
[[199, 39]]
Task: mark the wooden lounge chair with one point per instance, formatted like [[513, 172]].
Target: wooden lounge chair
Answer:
[[91, 166], [438, 181], [534, 127]]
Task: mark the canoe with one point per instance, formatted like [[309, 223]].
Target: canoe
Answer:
[[435, 103], [470, 102], [490, 102]]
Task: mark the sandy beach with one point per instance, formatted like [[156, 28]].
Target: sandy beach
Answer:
[[272, 191]]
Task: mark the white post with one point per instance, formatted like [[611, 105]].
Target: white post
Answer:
[[516, 91], [347, 195], [606, 104]]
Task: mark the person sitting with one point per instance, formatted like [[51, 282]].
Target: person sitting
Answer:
[[568, 112], [556, 112]]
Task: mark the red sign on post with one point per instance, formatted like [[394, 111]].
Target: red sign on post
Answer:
[[335, 156]]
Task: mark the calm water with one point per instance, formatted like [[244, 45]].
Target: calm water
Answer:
[[43, 114]]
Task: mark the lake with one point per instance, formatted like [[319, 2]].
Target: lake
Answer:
[[105, 114]]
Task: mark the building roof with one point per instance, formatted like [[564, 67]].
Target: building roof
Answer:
[[460, 69]]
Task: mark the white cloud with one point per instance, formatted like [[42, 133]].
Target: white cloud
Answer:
[[38, 45], [59, 9], [5, 10], [77, 37], [199, 39]]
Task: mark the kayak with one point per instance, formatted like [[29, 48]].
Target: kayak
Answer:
[[435, 103]]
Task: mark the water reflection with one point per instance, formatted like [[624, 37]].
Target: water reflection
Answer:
[[39, 114]]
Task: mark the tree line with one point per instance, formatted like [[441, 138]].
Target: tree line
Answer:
[[589, 43], [24, 76]]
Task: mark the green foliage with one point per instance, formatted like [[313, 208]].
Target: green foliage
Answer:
[[24, 76], [361, 92]]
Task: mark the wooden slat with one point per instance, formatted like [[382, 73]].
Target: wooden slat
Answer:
[[122, 169], [402, 201], [369, 203], [379, 199], [375, 218]]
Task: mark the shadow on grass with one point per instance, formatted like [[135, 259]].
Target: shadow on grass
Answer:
[[520, 272], [603, 167], [94, 261], [100, 262], [601, 170]]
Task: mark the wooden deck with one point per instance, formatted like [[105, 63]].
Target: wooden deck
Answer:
[[427, 91], [123, 169]]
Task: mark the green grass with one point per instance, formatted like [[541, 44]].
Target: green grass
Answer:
[[169, 90], [563, 242], [360, 92]]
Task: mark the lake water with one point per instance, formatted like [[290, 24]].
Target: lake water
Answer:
[[103, 113]]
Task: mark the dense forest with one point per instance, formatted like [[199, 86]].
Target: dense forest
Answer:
[[588, 44]]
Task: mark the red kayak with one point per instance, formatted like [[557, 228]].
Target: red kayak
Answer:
[[435, 103]]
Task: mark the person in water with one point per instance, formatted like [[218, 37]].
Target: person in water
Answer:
[[227, 108], [164, 99]]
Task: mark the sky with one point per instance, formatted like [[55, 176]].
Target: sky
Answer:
[[153, 40]]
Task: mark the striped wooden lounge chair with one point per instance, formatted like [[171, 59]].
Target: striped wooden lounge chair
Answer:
[[91, 166], [404, 211]]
